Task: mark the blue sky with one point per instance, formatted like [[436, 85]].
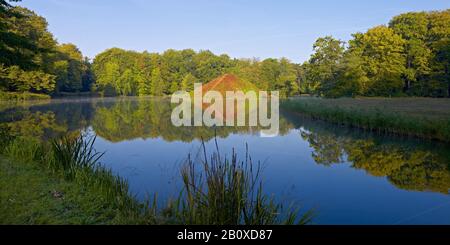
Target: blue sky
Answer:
[[241, 29]]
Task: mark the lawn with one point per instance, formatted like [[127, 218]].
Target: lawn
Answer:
[[30, 195]]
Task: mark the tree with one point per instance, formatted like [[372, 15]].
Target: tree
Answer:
[[157, 84], [34, 28], [286, 82], [69, 68], [382, 52], [29, 50], [209, 66], [26, 81], [287, 85], [324, 64], [413, 27], [126, 84], [25, 51], [352, 79], [143, 85], [173, 87], [439, 42], [15, 48], [88, 78], [109, 79], [188, 82]]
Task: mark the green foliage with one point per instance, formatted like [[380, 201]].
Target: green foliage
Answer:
[[324, 63], [223, 191], [157, 83], [127, 83], [121, 72], [187, 84], [143, 88], [18, 96], [410, 57], [32, 61], [13, 78], [178, 70], [69, 68], [15, 48], [383, 60]]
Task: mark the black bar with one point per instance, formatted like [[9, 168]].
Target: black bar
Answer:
[[245, 234]]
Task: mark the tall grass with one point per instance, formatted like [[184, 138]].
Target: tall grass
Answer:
[[217, 190], [222, 191], [75, 159], [75, 154], [375, 119]]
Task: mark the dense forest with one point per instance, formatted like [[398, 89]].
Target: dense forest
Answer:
[[31, 60], [409, 57]]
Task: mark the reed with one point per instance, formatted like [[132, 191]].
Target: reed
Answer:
[[375, 119], [225, 191], [217, 190], [78, 161]]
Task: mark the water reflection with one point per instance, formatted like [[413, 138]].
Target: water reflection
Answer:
[[410, 165], [407, 163]]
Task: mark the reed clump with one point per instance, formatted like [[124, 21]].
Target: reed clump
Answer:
[[76, 161], [226, 191]]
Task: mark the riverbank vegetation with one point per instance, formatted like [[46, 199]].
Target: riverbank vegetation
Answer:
[[63, 182], [417, 117], [225, 190], [22, 96]]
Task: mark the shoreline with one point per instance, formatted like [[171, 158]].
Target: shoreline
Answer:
[[374, 118]]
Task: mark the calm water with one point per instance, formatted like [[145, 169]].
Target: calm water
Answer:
[[347, 176]]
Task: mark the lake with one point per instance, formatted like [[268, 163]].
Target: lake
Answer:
[[346, 175]]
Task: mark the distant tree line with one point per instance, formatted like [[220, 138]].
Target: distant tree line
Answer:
[[121, 72], [409, 57]]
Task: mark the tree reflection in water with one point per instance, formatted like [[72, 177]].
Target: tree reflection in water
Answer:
[[407, 163]]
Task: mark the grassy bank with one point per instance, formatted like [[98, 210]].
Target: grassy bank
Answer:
[[415, 117], [32, 195], [62, 182], [16, 96]]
